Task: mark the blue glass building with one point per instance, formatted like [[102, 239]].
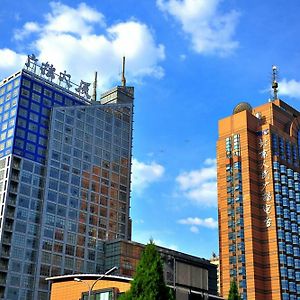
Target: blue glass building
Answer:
[[65, 165]]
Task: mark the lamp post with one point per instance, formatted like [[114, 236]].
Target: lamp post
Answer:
[[100, 277]]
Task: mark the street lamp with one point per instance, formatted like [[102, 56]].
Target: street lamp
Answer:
[[92, 286]]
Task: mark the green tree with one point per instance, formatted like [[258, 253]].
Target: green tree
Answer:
[[148, 282], [233, 291]]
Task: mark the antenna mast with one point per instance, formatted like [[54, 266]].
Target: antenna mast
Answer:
[[123, 73], [94, 97], [274, 82]]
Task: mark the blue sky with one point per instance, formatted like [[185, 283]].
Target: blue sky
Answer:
[[191, 62]]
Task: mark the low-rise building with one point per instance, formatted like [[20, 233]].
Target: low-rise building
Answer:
[[191, 277], [215, 260], [77, 286]]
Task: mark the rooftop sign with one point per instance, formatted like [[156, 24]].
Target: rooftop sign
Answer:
[[47, 71]]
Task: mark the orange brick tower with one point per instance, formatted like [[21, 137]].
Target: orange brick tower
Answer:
[[259, 201]]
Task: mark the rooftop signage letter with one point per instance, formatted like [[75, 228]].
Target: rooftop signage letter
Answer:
[[48, 70], [83, 89], [66, 78], [31, 63]]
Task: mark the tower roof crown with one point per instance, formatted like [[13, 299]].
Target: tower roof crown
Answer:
[[241, 107]]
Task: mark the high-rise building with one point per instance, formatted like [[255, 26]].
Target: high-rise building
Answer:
[[65, 164], [259, 201]]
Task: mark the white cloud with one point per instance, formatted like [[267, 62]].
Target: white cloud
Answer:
[[144, 174], [210, 161], [200, 186], [290, 88], [28, 28], [79, 41], [210, 31], [10, 61], [194, 229], [138, 221], [65, 19], [207, 222]]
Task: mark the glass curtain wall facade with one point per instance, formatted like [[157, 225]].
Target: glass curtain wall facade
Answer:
[[287, 201], [64, 181], [259, 229]]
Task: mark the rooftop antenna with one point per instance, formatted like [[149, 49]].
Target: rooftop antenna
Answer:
[[123, 73], [94, 97], [274, 82]]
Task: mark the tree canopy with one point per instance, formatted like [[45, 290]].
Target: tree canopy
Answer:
[[233, 291], [148, 282]]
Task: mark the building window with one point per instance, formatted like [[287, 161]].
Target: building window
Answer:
[[288, 151], [107, 295], [281, 148], [228, 147], [275, 144], [282, 259], [276, 165], [242, 284]]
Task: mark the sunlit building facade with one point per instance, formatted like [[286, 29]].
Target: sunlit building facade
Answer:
[[190, 277], [65, 164], [259, 201]]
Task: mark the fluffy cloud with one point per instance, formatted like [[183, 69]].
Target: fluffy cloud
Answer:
[[210, 31], [79, 41], [10, 61], [290, 88], [200, 186], [28, 28], [194, 229], [138, 221], [144, 174], [195, 223], [65, 19]]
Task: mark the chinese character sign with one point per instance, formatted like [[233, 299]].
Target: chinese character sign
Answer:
[[31, 63], [65, 78], [83, 89], [263, 144], [47, 71]]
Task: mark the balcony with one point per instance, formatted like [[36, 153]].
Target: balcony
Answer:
[[6, 240], [8, 227], [15, 176], [10, 214], [11, 201], [16, 163], [3, 267], [3, 281], [13, 189], [5, 253]]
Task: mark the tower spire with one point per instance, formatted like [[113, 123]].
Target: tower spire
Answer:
[[123, 72], [94, 97], [274, 82]]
